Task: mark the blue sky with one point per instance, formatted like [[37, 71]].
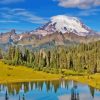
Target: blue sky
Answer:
[[24, 15]]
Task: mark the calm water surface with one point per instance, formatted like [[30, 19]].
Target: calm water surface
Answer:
[[49, 90]]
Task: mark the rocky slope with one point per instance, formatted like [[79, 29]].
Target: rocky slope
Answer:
[[60, 30]]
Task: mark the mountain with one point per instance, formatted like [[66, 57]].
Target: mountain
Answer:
[[64, 24], [7, 37], [60, 30]]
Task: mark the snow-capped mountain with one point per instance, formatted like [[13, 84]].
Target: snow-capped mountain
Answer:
[[64, 24], [60, 30]]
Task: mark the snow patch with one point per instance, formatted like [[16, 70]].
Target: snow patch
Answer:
[[68, 24], [20, 37]]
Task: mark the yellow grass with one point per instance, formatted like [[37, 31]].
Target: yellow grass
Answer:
[[23, 74], [92, 80], [11, 74]]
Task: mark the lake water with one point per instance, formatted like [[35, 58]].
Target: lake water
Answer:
[[50, 90]]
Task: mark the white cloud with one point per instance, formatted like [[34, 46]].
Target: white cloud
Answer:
[[20, 15], [28, 16], [84, 13], [82, 4], [8, 21], [89, 12], [10, 1]]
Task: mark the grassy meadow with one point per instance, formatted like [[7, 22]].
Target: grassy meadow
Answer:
[[13, 74], [23, 74]]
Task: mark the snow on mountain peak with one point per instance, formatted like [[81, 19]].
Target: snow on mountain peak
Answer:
[[69, 24], [62, 18], [65, 24]]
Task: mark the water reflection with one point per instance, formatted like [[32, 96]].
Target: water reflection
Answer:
[[74, 93], [19, 98], [23, 97], [6, 95], [49, 90]]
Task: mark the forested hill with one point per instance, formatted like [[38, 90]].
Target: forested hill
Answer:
[[81, 58]]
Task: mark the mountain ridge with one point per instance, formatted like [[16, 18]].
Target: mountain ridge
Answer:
[[59, 29]]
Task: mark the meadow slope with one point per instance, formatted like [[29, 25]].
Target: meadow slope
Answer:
[[13, 74]]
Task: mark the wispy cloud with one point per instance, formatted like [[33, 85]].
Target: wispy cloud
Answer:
[[20, 15], [84, 13], [89, 12], [82, 4], [8, 21], [10, 1], [9, 29]]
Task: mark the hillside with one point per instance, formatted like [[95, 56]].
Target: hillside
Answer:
[[10, 74]]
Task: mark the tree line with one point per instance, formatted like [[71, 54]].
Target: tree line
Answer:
[[81, 58]]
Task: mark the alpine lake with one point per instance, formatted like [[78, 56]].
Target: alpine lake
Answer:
[[48, 90]]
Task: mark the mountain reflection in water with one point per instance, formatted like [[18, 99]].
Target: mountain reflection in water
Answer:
[[48, 90]]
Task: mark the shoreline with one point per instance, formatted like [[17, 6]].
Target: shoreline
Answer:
[[11, 74], [79, 79], [27, 80], [93, 82]]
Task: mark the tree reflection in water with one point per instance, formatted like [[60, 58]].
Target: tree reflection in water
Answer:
[[23, 97], [19, 97], [74, 93], [49, 86], [6, 96]]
